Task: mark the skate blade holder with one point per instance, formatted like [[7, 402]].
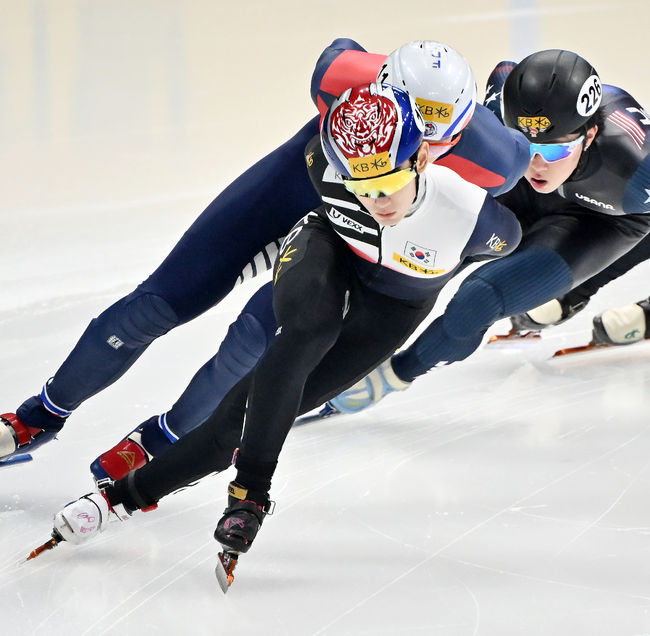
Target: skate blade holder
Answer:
[[514, 340], [514, 335], [225, 568]]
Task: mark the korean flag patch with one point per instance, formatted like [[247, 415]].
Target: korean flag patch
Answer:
[[423, 256]]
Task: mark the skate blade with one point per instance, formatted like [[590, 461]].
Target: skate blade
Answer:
[[16, 459], [592, 346], [48, 545], [327, 411], [514, 340], [224, 569]]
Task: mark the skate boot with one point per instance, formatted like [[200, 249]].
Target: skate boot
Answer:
[[369, 390], [522, 328], [622, 325], [36, 422], [242, 518], [134, 451], [238, 527], [118, 461], [527, 326], [552, 313], [81, 520], [19, 437], [85, 518]]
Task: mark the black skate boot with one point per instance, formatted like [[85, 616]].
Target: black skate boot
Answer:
[[238, 528], [242, 518]]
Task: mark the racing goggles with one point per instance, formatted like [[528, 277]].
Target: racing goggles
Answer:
[[555, 152], [383, 186]]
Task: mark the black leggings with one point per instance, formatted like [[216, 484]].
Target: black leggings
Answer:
[[333, 330]]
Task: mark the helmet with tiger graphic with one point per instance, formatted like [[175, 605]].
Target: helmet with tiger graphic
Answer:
[[368, 133]]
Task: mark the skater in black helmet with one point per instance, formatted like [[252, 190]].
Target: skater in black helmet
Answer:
[[583, 205]]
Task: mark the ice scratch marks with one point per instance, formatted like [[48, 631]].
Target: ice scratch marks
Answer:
[[613, 504], [539, 579], [515, 505], [142, 595]]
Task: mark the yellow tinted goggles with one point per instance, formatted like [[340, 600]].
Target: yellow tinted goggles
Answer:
[[383, 186]]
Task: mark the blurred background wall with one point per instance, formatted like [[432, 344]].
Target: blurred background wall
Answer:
[[111, 103]]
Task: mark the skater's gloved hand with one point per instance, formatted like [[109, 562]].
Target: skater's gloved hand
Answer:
[[368, 391]]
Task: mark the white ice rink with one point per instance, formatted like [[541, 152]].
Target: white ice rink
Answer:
[[508, 495]]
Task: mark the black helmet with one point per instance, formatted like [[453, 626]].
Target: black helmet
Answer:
[[550, 94]]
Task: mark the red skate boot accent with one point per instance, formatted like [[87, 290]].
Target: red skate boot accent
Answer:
[[15, 435], [119, 461]]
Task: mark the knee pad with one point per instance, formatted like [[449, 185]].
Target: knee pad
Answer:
[[503, 288], [141, 320], [243, 346], [476, 305]]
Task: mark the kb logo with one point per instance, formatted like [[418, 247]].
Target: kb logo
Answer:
[[370, 166], [495, 243], [439, 113]]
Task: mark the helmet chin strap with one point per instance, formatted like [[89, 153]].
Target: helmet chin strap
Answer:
[[419, 190]]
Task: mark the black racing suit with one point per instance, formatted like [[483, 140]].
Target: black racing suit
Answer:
[[347, 293], [593, 221]]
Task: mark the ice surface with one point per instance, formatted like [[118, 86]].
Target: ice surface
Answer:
[[506, 495]]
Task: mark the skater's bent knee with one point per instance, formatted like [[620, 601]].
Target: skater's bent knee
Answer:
[[476, 306], [144, 319]]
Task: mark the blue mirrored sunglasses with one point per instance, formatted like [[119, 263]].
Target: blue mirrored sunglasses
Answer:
[[555, 152]]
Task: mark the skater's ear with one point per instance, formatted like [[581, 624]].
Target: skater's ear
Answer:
[[589, 137], [422, 157]]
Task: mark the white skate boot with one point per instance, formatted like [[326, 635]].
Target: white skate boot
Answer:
[[86, 517]]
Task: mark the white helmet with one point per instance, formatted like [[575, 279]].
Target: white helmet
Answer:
[[439, 79]]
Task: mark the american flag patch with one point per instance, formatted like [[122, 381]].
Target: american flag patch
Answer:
[[629, 126]]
